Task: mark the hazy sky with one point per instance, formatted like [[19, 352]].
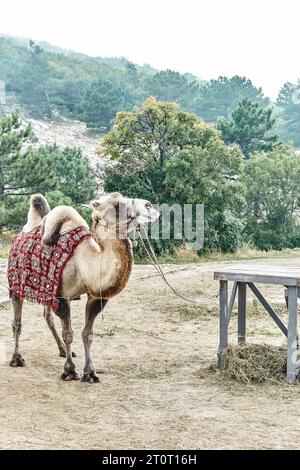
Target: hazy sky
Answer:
[[256, 38]]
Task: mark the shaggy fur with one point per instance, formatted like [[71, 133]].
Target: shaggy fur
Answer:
[[38, 209]]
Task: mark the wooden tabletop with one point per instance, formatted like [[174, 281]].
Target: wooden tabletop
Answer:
[[260, 273]]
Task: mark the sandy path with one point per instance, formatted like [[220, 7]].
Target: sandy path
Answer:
[[153, 353]]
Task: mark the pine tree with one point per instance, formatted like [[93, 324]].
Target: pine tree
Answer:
[[288, 102], [22, 170], [249, 127], [219, 97], [102, 100]]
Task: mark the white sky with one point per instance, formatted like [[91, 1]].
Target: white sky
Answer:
[[256, 38]]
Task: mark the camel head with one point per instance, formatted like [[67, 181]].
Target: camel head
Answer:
[[114, 214]]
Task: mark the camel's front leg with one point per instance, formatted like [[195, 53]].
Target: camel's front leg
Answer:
[[93, 308], [67, 334], [17, 359]]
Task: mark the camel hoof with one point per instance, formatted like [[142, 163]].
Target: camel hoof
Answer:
[[63, 354], [90, 377], [70, 375], [17, 361]]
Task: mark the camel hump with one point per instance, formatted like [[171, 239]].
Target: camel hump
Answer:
[[38, 209], [59, 220], [40, 204]]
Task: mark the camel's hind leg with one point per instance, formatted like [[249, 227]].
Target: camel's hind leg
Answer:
[[93, 307], [48, 315], [67, 334], [17, 359]]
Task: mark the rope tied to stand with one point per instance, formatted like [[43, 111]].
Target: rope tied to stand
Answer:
[[154, 261]]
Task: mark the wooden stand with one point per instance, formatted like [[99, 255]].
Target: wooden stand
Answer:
[[244, 276]]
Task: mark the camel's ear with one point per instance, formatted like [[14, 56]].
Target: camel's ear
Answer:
[[95, 204]]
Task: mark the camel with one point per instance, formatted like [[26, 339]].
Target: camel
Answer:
[[100, 267]]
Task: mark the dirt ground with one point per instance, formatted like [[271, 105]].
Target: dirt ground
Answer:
[[153, 353]]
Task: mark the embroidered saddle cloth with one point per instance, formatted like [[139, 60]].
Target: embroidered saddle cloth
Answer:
[[35, 270]]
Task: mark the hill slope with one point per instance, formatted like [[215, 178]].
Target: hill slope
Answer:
[[114, 62], [68, 133], [49, 82]]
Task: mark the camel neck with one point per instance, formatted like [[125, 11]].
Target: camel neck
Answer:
[[116, 260]]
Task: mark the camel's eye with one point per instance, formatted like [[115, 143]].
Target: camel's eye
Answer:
[[148, 205]]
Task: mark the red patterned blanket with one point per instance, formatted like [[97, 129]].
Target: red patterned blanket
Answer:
[[35, 270]]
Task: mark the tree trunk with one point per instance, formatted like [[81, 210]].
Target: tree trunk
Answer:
[[161, 156]]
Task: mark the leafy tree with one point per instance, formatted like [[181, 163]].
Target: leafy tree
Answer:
[[249, 126], [74, 175], [67, 95], [219, 97], [76, 182], [288, 102], [164, 154], [208, 174], [152, 134], [173, 86], [273, 197], [102, 100]]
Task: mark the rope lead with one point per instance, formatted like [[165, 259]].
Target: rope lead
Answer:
[[154, 261]]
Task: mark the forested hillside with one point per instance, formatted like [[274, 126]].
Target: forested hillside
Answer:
[[47, 82]]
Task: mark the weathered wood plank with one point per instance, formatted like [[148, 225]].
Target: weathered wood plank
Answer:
[[232, 299], [259, 268], [259, 274], [292, 369], [242, 309], [223, 341]]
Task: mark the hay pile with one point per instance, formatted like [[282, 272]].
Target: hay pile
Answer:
[[255, 364]]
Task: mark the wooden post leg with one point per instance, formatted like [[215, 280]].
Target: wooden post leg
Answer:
[[286, 297], [292, 335], [242, 309], [223, 323]]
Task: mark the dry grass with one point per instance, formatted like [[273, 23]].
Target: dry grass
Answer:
[[255, 364], [246, 252], [186, 256], [263, 330], [189, 312], [255, 309]]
